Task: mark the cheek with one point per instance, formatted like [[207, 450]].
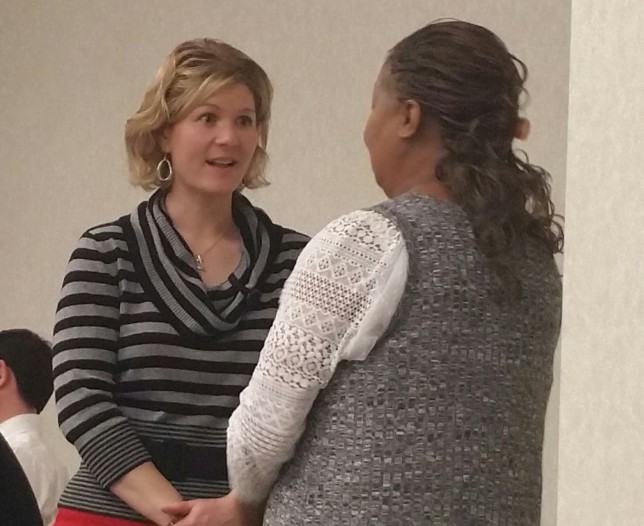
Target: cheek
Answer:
[[251, 139], [367, 132], [183, 141]]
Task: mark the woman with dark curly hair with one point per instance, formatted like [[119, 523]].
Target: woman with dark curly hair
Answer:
[[430, 320]]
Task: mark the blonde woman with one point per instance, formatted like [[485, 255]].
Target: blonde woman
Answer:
[[163, 311]]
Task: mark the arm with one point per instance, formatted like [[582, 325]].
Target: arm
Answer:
[[147, 491], [330, 309], [85, 353]]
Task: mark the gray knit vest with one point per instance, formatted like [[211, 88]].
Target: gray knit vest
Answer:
[[443, 423]]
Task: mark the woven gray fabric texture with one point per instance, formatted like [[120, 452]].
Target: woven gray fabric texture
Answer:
[[443, 423]]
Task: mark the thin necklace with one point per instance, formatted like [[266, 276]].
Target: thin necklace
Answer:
[[199, 257]]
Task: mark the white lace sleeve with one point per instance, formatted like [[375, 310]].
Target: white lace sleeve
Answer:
[[342, 278]]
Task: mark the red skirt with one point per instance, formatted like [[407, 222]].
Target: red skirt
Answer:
[[69, 517]]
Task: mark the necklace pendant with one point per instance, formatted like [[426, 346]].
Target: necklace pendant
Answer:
[[199, 262]]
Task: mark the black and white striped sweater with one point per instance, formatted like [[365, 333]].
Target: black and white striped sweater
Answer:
[[148, 361]]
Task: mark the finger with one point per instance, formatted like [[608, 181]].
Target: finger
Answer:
[[178, 508], [179, 522]]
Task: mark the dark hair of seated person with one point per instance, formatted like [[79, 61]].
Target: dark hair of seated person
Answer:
[[18, 506]]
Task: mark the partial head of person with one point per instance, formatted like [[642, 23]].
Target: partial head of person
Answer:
[[26, 379], [203, 122], [445, 112]]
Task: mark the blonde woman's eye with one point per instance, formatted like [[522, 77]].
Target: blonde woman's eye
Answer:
[[246, 120], [207, 118]]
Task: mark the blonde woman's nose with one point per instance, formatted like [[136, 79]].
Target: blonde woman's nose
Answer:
[[226, 133]]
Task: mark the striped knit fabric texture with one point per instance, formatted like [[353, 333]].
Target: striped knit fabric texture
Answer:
[[143, 350], [442, 424]]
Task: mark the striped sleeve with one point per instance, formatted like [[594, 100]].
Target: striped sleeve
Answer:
[[85, 350]]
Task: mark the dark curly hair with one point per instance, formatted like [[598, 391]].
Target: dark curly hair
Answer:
[[468, 84]]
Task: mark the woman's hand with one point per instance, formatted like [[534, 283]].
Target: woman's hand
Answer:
[[224, 511]]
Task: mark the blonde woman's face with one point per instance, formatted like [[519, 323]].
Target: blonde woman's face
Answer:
[[211, 148]]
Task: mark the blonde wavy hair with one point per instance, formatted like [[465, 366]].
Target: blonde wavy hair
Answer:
[[190, 74]]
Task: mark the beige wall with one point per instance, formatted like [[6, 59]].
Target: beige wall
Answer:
[[72, 72], [601, 444]]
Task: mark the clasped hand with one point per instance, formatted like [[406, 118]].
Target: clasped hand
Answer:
[[223, 511]]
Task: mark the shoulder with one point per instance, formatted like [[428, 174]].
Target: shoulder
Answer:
[[412, 208], [366, 228], [105, 231], [103, 238], [109, 236], [23, 443], [363, 236], [101, 248], [288, 245], [115, 230], [44, 470], [291, 237]]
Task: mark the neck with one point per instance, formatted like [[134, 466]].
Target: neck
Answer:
[[416, 172], [200, 217], [12, 407]]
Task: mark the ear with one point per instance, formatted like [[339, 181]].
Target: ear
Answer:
[[522, 129], [412, 117], [164, 140], [260, 130], [5, 372]]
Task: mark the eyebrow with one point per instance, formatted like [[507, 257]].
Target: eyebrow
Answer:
[[209, 105]]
